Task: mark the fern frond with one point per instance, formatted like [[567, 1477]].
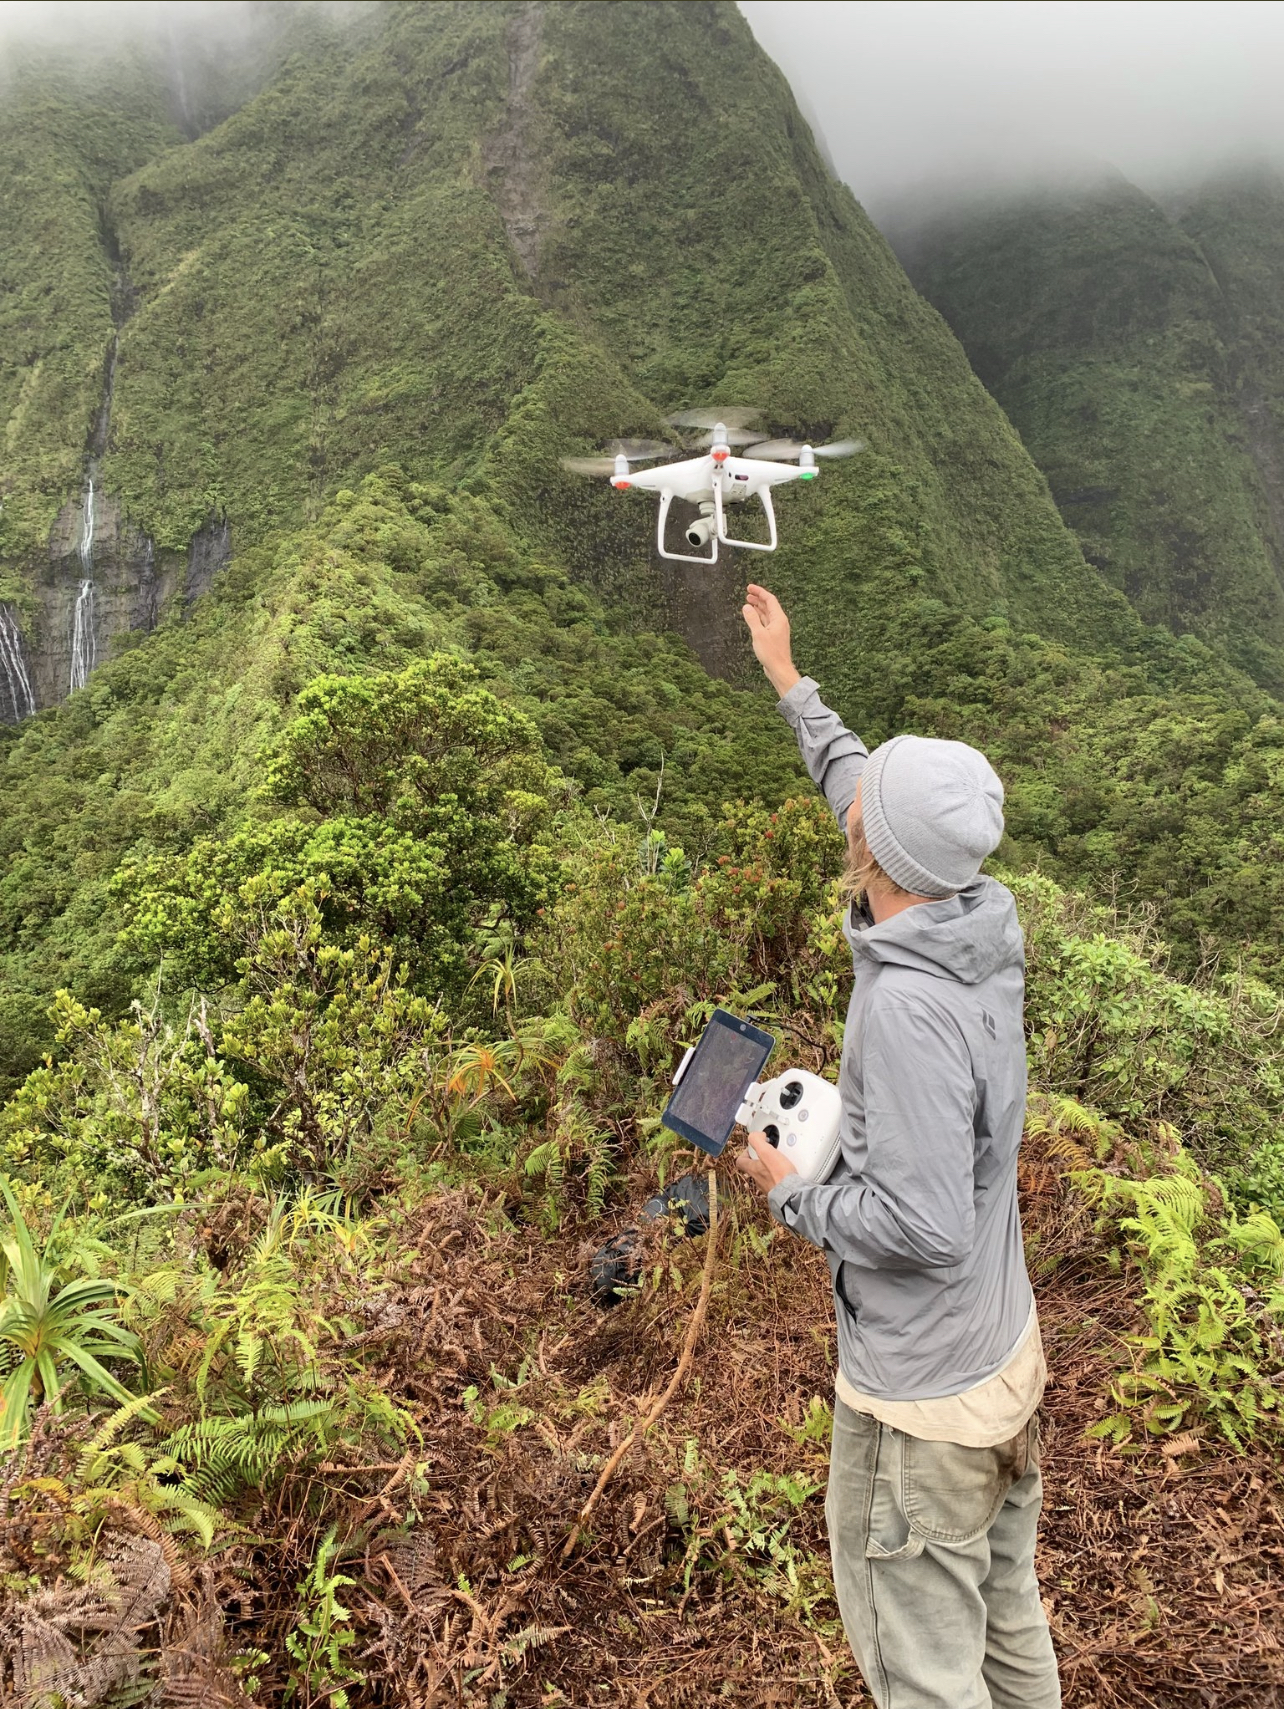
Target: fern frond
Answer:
[[107, 1433]]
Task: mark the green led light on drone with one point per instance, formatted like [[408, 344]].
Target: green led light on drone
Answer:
[[808, 474]]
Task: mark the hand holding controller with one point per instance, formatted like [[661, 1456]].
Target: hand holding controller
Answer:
[[801, 1115]]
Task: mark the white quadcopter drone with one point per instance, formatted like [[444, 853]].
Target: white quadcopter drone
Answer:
[[715, 479]]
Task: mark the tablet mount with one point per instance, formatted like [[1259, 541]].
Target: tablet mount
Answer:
[[801, 1115]]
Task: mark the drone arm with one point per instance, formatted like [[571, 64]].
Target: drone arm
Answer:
[[768, 545]]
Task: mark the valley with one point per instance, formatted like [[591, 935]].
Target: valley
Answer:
[[381, 817]]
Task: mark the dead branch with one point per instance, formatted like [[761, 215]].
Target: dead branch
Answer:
[[684, 1365]]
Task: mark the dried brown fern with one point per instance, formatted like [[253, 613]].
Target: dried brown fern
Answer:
[[76, 1643], [194, 1664]]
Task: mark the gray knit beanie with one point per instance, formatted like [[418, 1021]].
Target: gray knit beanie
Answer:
[[932, 811]]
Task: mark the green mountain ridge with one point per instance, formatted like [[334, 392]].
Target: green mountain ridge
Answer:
[[440, 247], [286, 336], [1133, 349], [392, 817]]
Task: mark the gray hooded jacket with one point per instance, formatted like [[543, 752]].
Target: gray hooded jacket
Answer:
[[919, 1218]]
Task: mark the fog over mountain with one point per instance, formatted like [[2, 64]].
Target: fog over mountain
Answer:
[[61, 22], [941, 92], [907, 97]]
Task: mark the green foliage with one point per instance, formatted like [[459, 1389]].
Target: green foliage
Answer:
[[141, 1101], [630, 933], [577, 1143], [138, 803], [433, 801], [744, 1529], [114, 1470], [322, 1636], [1109, 1026], [48, 1324], [1105, 327], [221, 1455], [1212, 1281], [1151, 779], [500, 1420], [65, 134]]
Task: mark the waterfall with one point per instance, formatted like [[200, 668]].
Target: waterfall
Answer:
[[87, 532], [13, 667], [84, 642], [84, 650]]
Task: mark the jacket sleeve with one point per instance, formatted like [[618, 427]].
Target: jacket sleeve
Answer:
[[912, 1206], [834, 757]]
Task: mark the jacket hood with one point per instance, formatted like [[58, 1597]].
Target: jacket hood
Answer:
[[966, 937]]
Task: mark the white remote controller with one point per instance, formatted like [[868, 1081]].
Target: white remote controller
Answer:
[[801, 1115]]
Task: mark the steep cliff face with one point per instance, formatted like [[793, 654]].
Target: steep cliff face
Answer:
[[1127, 360], [354, 326], [467, 239], [73, 122], [88, 593], [1238, 223]]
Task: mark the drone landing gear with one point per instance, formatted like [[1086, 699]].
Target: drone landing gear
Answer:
[[710, 557], [712, 529], [767, 545]]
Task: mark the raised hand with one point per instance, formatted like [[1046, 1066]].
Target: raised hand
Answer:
[[769, 631]]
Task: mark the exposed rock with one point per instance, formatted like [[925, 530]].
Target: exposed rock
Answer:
[[210, 550], [510, 167], [133, 584], [17, 698]]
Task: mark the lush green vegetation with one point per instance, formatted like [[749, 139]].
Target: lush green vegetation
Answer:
[[285, 337], [125, 785], [306, 1130], [64, 138], [352, 920], [1134, 351]]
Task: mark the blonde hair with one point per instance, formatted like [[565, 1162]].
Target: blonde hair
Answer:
[[861, 870]]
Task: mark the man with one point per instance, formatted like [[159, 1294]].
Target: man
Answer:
[[934, 1487]]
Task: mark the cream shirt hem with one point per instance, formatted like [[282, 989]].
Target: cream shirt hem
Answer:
[[980, 1417]]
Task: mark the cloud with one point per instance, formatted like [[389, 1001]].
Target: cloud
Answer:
[[84, 27], [69, 23], [915, 93]]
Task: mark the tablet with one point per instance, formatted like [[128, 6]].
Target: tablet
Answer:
[[712, 1082]]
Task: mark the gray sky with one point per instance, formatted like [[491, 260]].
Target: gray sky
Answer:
[[61, 21], [913, 90]]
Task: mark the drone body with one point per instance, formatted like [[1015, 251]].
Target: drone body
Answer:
[[713, 481]]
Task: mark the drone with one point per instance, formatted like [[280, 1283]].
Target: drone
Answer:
[[714, 480]]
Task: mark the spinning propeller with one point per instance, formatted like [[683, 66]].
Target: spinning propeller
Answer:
[[732, 417], [632, 450], [736, 420], [787, 450], [735, 431]]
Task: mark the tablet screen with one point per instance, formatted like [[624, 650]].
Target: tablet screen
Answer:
[[728, 1059]]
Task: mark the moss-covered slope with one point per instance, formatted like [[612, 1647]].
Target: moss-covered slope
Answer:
[[1097, 321], [470, 237], [1238, 223], [67, 132], [453, 242]]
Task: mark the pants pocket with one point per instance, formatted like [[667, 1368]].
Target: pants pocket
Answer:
[[953, 1494], [889, 1536]]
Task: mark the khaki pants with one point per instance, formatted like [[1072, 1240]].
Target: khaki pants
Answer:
[[933, 1554]]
